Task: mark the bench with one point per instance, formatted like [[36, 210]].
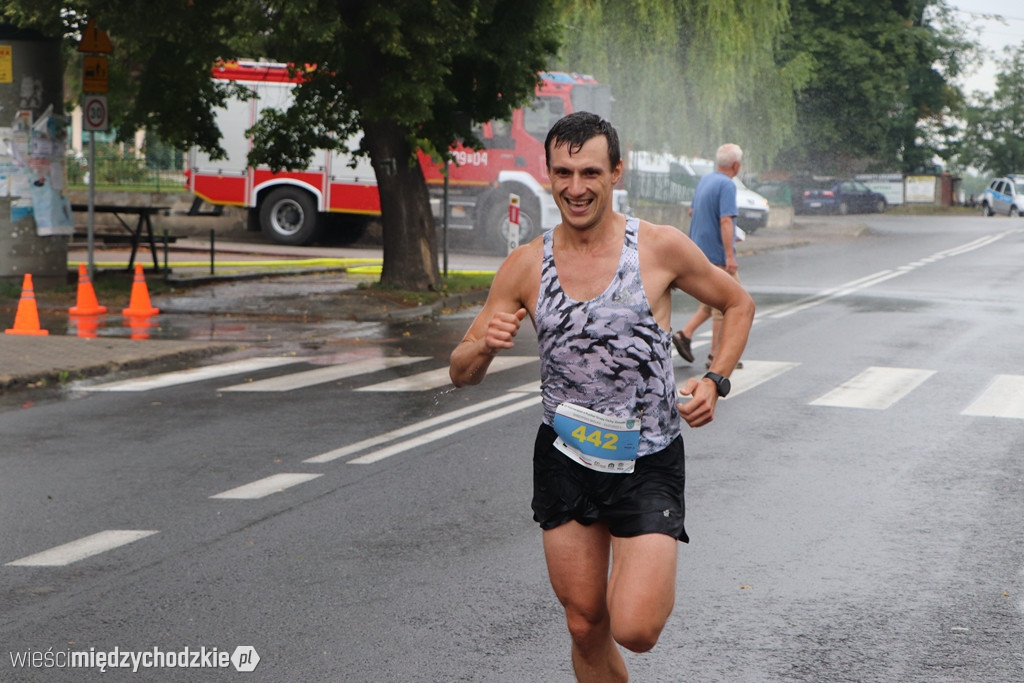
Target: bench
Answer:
[[134, 236]]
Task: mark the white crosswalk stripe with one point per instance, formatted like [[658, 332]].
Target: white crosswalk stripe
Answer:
[[88, 546], [330, 373], [170, 379], [1003, 397], [434, 379], [876, 388], [754, 373]]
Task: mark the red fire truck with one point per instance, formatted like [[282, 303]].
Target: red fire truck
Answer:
[[292, 207]]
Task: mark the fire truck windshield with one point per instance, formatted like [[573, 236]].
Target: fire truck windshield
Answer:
[[541, 115]]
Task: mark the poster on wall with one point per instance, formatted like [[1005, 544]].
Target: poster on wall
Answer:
[[32, 159], [888, 185], [15, 149], [920, 189]]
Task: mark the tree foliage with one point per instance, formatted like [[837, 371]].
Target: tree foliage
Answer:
[[405, 74], [994, 135], [881, 85], [687, 75]]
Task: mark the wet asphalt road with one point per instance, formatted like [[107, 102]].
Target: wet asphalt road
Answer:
[[833, 538]]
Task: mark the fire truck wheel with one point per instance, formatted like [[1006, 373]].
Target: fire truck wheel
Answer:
[[496, 224], [289, 216]]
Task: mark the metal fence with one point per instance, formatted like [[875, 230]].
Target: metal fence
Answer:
[[656, 187], [128, 172]]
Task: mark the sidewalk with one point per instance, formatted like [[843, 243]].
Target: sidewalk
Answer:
[[48, 361]]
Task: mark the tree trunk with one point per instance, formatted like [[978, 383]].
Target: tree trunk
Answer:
[[409, 235]]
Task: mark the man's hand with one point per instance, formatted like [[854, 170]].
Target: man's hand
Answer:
[[732, 266], [700, 409], [502, 329]]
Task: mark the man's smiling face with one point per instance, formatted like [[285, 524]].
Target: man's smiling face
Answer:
[[582, 182]]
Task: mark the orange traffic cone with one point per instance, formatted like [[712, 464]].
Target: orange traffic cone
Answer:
[[139, 306], [86, 304], [26, 320]]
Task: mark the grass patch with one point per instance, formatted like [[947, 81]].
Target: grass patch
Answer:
[[10, 289], [456, 283], [930, 210]]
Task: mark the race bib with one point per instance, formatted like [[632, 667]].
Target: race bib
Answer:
[[596, 441]]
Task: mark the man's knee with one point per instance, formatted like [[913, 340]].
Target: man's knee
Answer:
[[587, 628], [637, 637]]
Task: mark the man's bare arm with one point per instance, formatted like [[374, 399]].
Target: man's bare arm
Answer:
[[472, 357], [727, 224], [494, 329]]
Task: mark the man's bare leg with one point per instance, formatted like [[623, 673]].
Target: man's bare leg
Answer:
[[577, 558], [642, 588]]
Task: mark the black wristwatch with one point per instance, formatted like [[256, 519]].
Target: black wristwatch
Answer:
[[721, 383]]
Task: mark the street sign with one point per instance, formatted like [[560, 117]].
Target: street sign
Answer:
[[6, 64], [513, 222], [94, 74], [94, 113], [95, 40]]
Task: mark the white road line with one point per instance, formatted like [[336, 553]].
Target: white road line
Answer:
[[88, 546], [265, 487], [376, 456], [330, 373], [836, 292], [412, 429], [876, 388], [1004, 397], [528, 388], [877, 278], [756, 372], [193, 375], [434, 379]]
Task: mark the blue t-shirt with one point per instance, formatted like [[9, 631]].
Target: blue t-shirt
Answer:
[[715, 197]]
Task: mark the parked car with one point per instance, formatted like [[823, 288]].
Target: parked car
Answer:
[[842, 197], [753, 207], [1003, 195]]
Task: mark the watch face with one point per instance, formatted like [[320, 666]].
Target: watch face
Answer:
[[722, 384]]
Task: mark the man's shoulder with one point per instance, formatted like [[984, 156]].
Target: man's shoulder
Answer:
[[663, 238], [714, 178]]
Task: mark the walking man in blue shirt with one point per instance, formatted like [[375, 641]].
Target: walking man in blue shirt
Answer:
[[713, 229]]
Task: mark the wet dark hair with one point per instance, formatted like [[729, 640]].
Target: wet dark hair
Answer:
[[576, 129]]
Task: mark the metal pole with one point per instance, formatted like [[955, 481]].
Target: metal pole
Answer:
[[211, 250], [447, 163], [90, 230]]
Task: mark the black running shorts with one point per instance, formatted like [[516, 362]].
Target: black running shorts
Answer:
[[648, 501]]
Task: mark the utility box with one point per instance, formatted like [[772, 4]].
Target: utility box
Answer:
[[31, 164]]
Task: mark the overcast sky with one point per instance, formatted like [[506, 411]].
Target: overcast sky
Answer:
[[995, 35]]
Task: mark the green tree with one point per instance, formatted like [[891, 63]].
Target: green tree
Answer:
[[994, 133], [687, 75], [881, 83], [408, 74], [924, 126]]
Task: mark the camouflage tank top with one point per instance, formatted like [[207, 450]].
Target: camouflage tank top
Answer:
[[608, 354]]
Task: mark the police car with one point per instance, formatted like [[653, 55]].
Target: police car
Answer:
[[1003, 195]]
